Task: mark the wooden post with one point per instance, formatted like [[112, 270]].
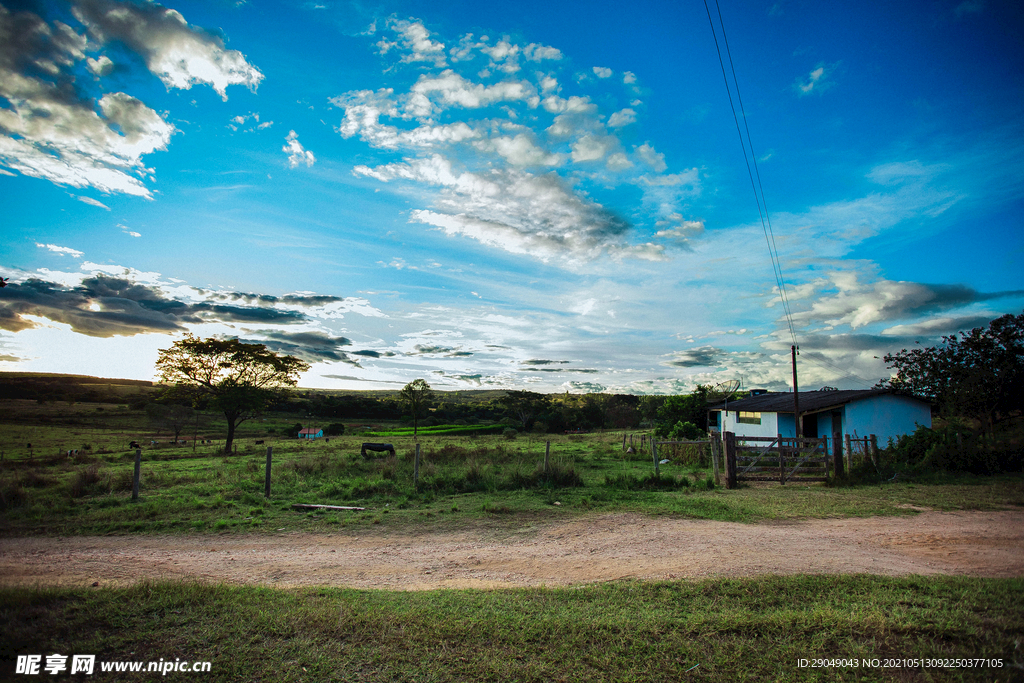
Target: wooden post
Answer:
[[849, 451], [730, 460], [782, 461], [824, 451], [416, 468], [837, 454], [266, 484], [623, 440], [547, 455], [874, 447], [716, 449], [138, 472], [654, 453]]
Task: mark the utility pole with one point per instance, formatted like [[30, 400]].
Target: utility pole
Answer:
[[796, 397]]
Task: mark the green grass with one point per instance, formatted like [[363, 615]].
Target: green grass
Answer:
[[210, 492], [463, 481], [715, 630]]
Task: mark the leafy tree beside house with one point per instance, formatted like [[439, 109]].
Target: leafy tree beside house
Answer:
[[977, 374], [684, 417], [240, 380]]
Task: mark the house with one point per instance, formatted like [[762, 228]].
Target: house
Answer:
[[310, 433], [860, 412]]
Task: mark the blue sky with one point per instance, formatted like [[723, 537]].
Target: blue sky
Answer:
[[549, 196]]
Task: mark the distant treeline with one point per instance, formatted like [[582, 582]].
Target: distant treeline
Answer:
[[523, 410], [46, 387]]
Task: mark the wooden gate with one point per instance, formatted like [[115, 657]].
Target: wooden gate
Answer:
[[780, 458]]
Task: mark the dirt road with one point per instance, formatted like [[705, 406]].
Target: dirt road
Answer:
[[598, 548]]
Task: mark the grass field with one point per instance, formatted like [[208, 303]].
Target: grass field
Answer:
[[714, 630], [460, 480], [725, 630]]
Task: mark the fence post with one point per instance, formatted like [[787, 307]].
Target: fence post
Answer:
[[654, 454], [824, 454], [547, 454], [266, 485], [730, 460], [782, 461], [623, 440], [874, 448], [849, 451], [716, 448], [416, 469], [138, 471], [837, 454]]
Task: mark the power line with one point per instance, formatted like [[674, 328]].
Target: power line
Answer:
[[757, 187]]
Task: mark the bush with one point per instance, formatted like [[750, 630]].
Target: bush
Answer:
[[953, 448], [509, 433], [651, 482], [334, 429]]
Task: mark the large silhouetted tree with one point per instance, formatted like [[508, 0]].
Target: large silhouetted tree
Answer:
[[240, 380]]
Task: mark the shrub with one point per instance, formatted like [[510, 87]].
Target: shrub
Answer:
[[335, 429], [953, 448], [651, 482], [85, 479], [509, 433]]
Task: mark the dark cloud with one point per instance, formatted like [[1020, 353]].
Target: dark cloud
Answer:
[[108, 306], [363, 379], [583, 370], [308, 301], [702, 356], [447, 351], [309, 346], [374, 354]]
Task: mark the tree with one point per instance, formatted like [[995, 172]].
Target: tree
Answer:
[[978, 374], [416, 396], [174, 417], [692, 408], [523, 406], [239, 380]]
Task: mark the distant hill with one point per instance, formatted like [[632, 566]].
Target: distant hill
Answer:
[[49, 386]]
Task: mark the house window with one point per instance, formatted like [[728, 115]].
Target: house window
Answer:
[[748, 418]]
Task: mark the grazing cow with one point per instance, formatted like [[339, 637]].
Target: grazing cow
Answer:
[[377, 448], [134, 444], [260, 442]]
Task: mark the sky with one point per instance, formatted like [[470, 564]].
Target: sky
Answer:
[[530, 195]]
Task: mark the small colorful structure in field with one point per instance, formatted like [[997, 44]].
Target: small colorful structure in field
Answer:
[[311, 433]]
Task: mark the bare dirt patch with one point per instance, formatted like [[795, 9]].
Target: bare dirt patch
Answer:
[[597, 548]]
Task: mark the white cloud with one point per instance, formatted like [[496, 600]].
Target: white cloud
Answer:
[[178, 54], [816, 81], [296, 153], [521, 150], [414, 39], [628, 77], [513, 210], [74, 141], [621, 118], [536, 52], [602, 72], [91, 202], [844, 300], [61, 250], [654, 159]]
